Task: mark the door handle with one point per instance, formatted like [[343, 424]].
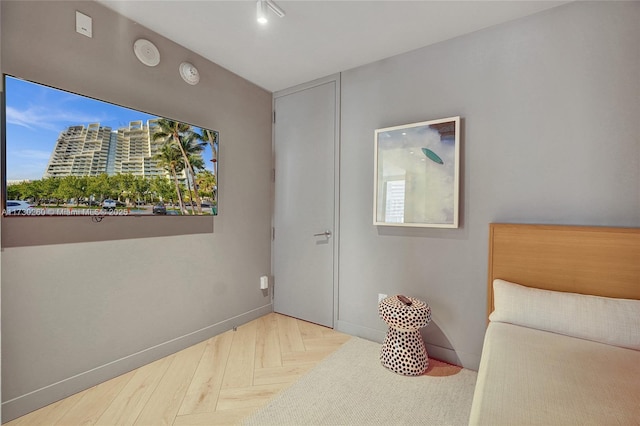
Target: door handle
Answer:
[[326, 233]]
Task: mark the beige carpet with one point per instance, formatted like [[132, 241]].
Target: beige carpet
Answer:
[[351, 387]]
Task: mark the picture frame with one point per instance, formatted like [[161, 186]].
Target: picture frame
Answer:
[[417, 174]]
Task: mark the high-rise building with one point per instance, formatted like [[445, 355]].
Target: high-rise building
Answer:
[[134, 150], [80, 151], [95, 149]]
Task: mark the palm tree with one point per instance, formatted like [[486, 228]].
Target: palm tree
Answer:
[[192, 148], [173, 132], [169, 158], [212, 138]]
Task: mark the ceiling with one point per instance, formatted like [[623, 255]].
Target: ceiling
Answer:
[[315, 38]]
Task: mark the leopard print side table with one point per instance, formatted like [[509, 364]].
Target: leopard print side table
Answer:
[[403, 350]]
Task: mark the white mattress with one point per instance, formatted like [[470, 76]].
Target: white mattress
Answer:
[[533, 377]]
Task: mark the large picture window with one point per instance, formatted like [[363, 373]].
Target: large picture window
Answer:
[[71, 155]]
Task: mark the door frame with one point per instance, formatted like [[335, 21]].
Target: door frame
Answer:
[[334, 78]]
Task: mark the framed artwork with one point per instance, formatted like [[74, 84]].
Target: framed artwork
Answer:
[[417, 170]]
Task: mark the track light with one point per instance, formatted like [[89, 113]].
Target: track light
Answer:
[[275, 8], [261, 10]]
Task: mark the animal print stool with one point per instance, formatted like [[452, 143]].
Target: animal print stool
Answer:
[[403, 350]]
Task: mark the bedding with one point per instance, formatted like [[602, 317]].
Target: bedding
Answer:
[[563, 342], [534, 377], [602, 319]]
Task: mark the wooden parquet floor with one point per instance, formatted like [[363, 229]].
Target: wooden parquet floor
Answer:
[[219, 381]]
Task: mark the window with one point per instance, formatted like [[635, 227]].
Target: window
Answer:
[[68, 154]]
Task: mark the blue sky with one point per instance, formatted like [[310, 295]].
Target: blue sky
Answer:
[[36, 114]]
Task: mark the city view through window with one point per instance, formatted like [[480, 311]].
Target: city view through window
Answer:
[[68, 154]]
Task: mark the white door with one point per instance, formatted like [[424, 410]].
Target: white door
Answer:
[[304, 213]]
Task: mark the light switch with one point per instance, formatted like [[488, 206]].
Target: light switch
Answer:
[[83, 24]]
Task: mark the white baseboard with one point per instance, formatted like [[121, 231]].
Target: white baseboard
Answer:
[[360, 331], [36, 399]]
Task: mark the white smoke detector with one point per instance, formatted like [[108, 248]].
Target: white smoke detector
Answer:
[[146, 52], [189, 73]]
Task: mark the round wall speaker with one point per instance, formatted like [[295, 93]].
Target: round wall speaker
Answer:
[[146, 52], [189, 73]]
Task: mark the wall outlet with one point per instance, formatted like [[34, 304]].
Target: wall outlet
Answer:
[[381, 297], [264, 282]]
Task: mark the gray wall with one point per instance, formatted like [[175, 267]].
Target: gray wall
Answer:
[[551, 134], [82, 302], [1, 130], [550, 108]]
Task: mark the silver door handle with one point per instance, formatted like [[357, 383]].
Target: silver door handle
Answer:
[[326, 233]]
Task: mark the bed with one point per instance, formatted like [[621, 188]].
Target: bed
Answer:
[[563, 341]]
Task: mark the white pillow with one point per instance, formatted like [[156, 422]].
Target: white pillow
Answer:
[[601, 319]]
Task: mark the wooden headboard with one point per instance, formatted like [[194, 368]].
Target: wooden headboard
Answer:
[[594, 260]]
